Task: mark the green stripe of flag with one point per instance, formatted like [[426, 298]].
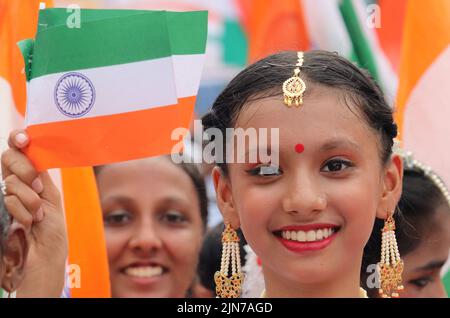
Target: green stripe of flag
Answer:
[[100, 43], [111, 37], [361, 45], [446, 281], [52, 17], [235, 44], [188, 31], [182, 25]]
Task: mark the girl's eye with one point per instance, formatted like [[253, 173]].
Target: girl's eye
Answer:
[[118, 217], [174, 217], [336, 165], [421, 282], [265, 171]]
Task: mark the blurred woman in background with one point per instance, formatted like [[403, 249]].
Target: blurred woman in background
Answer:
[[155, 216]]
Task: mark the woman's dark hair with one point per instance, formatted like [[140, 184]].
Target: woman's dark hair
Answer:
[[4, 222], [193, 172], [196, 177], [419, 201], [265, 78]]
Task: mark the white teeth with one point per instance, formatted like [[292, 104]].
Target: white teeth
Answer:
[[319, 235], [301, 236], [294, 236], [310, 236], [144, 271]]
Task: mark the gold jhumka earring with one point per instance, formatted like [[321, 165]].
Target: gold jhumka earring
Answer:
[[229, 287], [390, 266]]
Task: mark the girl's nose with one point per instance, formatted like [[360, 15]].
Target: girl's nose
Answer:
[[303, 195]]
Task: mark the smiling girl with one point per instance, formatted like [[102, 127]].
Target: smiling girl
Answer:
[[309, 217]]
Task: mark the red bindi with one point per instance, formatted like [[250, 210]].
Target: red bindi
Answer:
[[299, 148]]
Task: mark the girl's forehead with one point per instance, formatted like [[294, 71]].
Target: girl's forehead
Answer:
[[324, 120], [319, 102]]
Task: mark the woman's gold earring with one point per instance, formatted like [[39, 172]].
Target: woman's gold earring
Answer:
[[229, 287], [391, 266]]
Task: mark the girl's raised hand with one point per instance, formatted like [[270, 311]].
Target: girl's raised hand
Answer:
[[33, 200]]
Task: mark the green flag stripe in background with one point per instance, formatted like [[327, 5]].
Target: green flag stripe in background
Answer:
[[361, 45], [54, 50], [446, 281]]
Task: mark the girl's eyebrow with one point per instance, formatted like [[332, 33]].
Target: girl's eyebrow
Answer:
[[431, 265], [256, 151], [339, 143]]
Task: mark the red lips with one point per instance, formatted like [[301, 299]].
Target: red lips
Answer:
[[302, 247]]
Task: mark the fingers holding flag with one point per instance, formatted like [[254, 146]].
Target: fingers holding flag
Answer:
[[18, 139], [25, 187], [20, 199], [15, 162]]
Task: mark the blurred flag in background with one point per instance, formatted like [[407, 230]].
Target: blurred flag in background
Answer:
[[423, 98]]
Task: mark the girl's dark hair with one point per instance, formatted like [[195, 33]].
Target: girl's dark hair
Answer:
[[419, 201], [196, 177], [265, 78], [4, 222]]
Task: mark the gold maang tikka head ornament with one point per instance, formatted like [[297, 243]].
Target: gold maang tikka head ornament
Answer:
[[294, 87]]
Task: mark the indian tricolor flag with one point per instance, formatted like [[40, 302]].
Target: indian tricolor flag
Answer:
[[18, 20], [423, 99], [112, 88]]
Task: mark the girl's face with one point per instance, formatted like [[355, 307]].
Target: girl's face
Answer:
[[309, 219], [423, 265], [153, 227]]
